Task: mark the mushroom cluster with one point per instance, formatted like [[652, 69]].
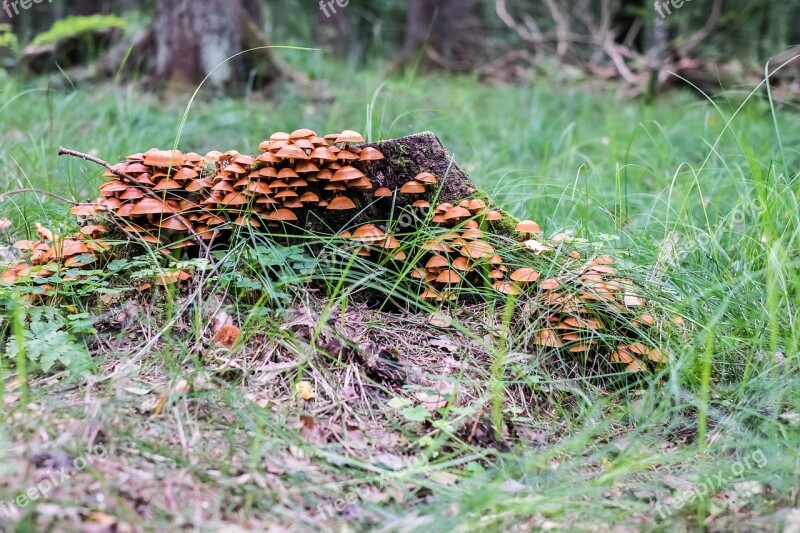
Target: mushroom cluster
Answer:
[[172, 199], [158, 199], [571, 319], [175, 200], [458, 255], [53, 253]]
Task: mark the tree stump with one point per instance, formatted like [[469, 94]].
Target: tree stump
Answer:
[[404, 158], [422, 152]]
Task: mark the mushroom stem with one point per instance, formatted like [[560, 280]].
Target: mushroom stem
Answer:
[[131, 181]]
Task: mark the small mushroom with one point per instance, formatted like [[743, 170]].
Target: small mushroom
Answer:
[[303, 133], [507, 287], [349, 137], [151, 206], [281, 215], [347, 173], [436, 262], [412, 187], [291, 153], [457, 213], [370, 154], [528, 227], [163, 158], [309, 198], [341, 203], [524, 275], [448, 277], [369, 234], [477, 250], [426, 177], [462, 263]]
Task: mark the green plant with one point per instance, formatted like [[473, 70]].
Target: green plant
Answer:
[[49, 340], [75, 26]]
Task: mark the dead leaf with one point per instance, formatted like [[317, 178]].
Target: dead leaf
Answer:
[[439, 320], [143, 286], [391, 461], [431, 402], [791, 521], [305, 390], [159, 407], [512, 486], [182, 386], [536, 246], [102, 519], [220, 320], [227, 336], [110, 298], [445, 344]]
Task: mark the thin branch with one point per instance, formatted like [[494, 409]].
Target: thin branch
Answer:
[[132, 181], [613, 52], [694, 40], [562, 27], [508, 20]]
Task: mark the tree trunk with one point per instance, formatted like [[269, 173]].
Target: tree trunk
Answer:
[[443, 33], [658, 53], [195, 39], [334, 32], [88, 7]]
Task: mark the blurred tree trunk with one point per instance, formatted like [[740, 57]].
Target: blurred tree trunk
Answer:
[[659, 48], [443, 33], [86, 7], [334, 32], [255, 10], [194, 38]]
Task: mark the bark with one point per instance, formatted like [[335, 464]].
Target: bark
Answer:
[[406, 157], [195, 38], [658, 54], [254, 10], [88, 7]]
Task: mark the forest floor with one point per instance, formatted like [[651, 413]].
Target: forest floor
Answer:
[[161, 431]]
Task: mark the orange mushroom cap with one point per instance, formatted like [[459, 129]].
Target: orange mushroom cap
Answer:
[[341, 203]]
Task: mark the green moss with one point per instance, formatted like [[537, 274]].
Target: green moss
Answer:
[[75, 26], [401, 160], [505, 226], [7, 37]]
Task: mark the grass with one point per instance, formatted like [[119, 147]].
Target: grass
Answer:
[[698, 197]]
